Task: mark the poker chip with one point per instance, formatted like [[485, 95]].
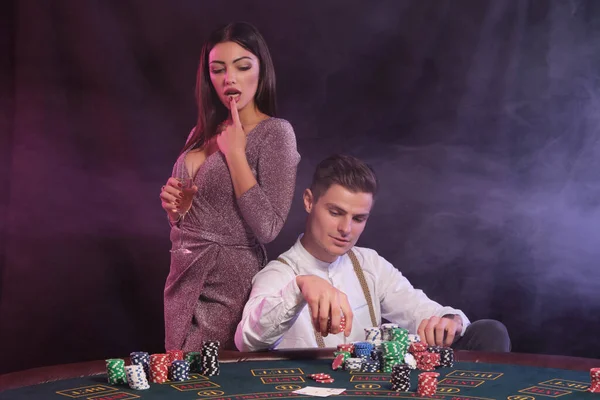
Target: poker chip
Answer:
[[338, 361], [369, 366], [209, 363], [447, 357], [115, 371], [342, 324], [434, 349], [175, 355], [386, 330], [194, 359], [377, 356], [352, 364], [320, 375], [427, 384], [141, 358], [349, 347], [136, 377], [410, 360], [400, 378], [413, 338], [363, 349], [327, 380], [179, 370], [399, 335], [595, 380], [159, 368], [417, 347], [372, 334], [393, 353], [427, 361]]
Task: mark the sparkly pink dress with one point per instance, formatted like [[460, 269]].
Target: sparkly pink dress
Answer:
[[206, 290]]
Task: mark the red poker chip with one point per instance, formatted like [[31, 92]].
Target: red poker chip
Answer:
[[338, 361], [320, 375], [328, 380]]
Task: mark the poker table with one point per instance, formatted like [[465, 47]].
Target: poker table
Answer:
[[270, 375]]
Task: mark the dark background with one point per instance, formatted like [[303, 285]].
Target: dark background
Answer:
[[481, 118]]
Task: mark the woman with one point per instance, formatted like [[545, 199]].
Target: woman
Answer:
[[243, 164]]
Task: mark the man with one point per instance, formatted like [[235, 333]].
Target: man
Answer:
[[298, 300]]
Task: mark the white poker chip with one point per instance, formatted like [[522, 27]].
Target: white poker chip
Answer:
[[410, 360], [413, 338]]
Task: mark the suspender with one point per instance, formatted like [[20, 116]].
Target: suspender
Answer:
[[363, 284]]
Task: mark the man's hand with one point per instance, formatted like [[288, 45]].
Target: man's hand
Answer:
[[324, 302], [436, 331]]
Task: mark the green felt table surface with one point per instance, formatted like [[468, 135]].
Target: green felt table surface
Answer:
[[278, 378]]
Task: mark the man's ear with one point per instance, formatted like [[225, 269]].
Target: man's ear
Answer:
[[307, 197]]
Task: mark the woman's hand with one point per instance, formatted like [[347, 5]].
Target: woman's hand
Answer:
[[232, 140], [171, 196]]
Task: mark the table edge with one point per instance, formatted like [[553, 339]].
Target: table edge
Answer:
[[41, 375]]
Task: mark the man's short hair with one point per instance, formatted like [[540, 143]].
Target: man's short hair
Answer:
[[347, 171]]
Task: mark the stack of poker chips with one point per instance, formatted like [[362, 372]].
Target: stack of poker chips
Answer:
[[595, 380], [174, 355], [141, 358], [427, 385], [373, 335], [136, 377], [322, 377], [434, 349], [400, 378], [386, 331], [349, 347], [179, 370], [377, 356], [399, 335], [193, 359], [427, 361], [446, 357], [210, 358], [369, 365], [393, 353], [417, 349], [159, 368], [342, 324], [363, 350], [115, 370], [353, 364]]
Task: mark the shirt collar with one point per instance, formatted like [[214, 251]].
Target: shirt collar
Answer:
[[303, 253]]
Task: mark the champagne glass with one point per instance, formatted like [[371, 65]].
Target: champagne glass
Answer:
[[185, 203]]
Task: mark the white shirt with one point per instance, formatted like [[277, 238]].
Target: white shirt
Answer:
[[276, 315]]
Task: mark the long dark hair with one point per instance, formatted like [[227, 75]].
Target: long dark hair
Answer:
[[211, 111]]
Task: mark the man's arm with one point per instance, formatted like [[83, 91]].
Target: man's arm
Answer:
[[401, 303], [276, 300], [274, 304]]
